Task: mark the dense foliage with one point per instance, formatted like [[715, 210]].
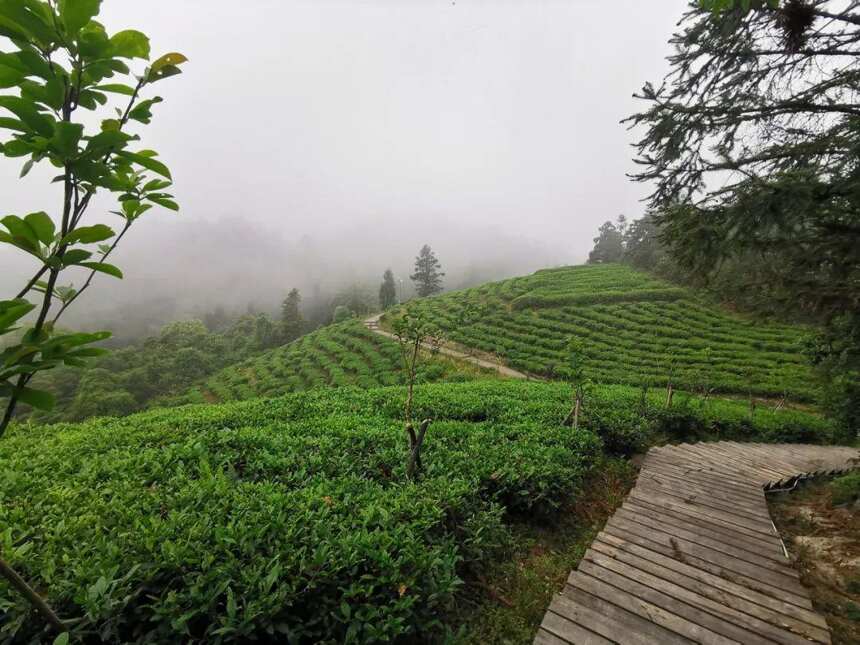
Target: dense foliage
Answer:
[[157, 368], [291, 518], [637, 330], [751, 145], [341, 354], [56, 62]]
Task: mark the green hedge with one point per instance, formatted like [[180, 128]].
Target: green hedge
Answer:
[[542, 300]]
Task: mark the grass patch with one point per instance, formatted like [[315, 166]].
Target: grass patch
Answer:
[[507, 602]]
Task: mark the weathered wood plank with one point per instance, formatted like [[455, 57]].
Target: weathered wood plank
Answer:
[[564, 630], [730, 546], [660, 498], [777, 612], [692, 555], [611, 621], [666, 619], [683, 548], [543, 637], [715, 568], [720, 615], [766, 548]]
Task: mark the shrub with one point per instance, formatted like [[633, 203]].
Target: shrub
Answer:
[[845, 489], [285, 519]]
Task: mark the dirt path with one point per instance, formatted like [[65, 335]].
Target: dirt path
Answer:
[[372, 324]]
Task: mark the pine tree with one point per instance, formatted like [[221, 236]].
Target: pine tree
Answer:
[[609, 245], [387, 290], [427, 277], [292, 322]]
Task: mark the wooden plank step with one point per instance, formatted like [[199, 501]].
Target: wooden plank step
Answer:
[[692, 554]]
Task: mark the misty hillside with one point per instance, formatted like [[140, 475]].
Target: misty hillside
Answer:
[[429, 323], [636, 329], [341, 354]]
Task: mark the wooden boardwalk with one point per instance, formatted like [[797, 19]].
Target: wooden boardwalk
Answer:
[[692, 555]]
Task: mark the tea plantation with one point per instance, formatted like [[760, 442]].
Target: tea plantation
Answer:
[[290, 519], [636, 330], [346, 353]]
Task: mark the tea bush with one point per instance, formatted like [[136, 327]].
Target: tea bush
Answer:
[[291, 519], [342, 354], [286, 519]]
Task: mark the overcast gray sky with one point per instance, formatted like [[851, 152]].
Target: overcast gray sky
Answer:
[[486, 129]]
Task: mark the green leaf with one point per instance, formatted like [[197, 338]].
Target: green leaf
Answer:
[[107, 140], [75, 256], [142, 111], [166, 66], [21, 231], [91, 100], [24, 110], [103, 267], [26, 169], [13, 310], [75, 14], [12, 29], [155, 184], [130, 44], [66, 138], [62, 639], [173, 58], [39, 399], [33, 64], [17, 148], [147, 162], [116, 88], [9, 77], [163, 201], [33, 23], [93, 42], [165, 72], [42, 225], [12, 124], [88, 234]]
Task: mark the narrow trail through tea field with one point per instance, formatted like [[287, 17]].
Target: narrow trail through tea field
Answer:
[[692, 555], [372, 324]]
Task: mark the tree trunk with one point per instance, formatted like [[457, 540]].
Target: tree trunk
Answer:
[[572, 418], [29, 593], [669, 392], [414, 464]]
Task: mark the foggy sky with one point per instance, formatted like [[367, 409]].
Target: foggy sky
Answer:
[[314, 142]]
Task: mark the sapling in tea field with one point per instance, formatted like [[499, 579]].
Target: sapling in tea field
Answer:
[[575, 375], [413, 332], [58, 66]]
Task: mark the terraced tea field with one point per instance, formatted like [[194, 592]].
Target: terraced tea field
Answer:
[[343, 354], [637, 329]]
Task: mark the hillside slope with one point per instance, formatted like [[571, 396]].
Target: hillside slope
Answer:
[[637, 330], [346, 353]]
